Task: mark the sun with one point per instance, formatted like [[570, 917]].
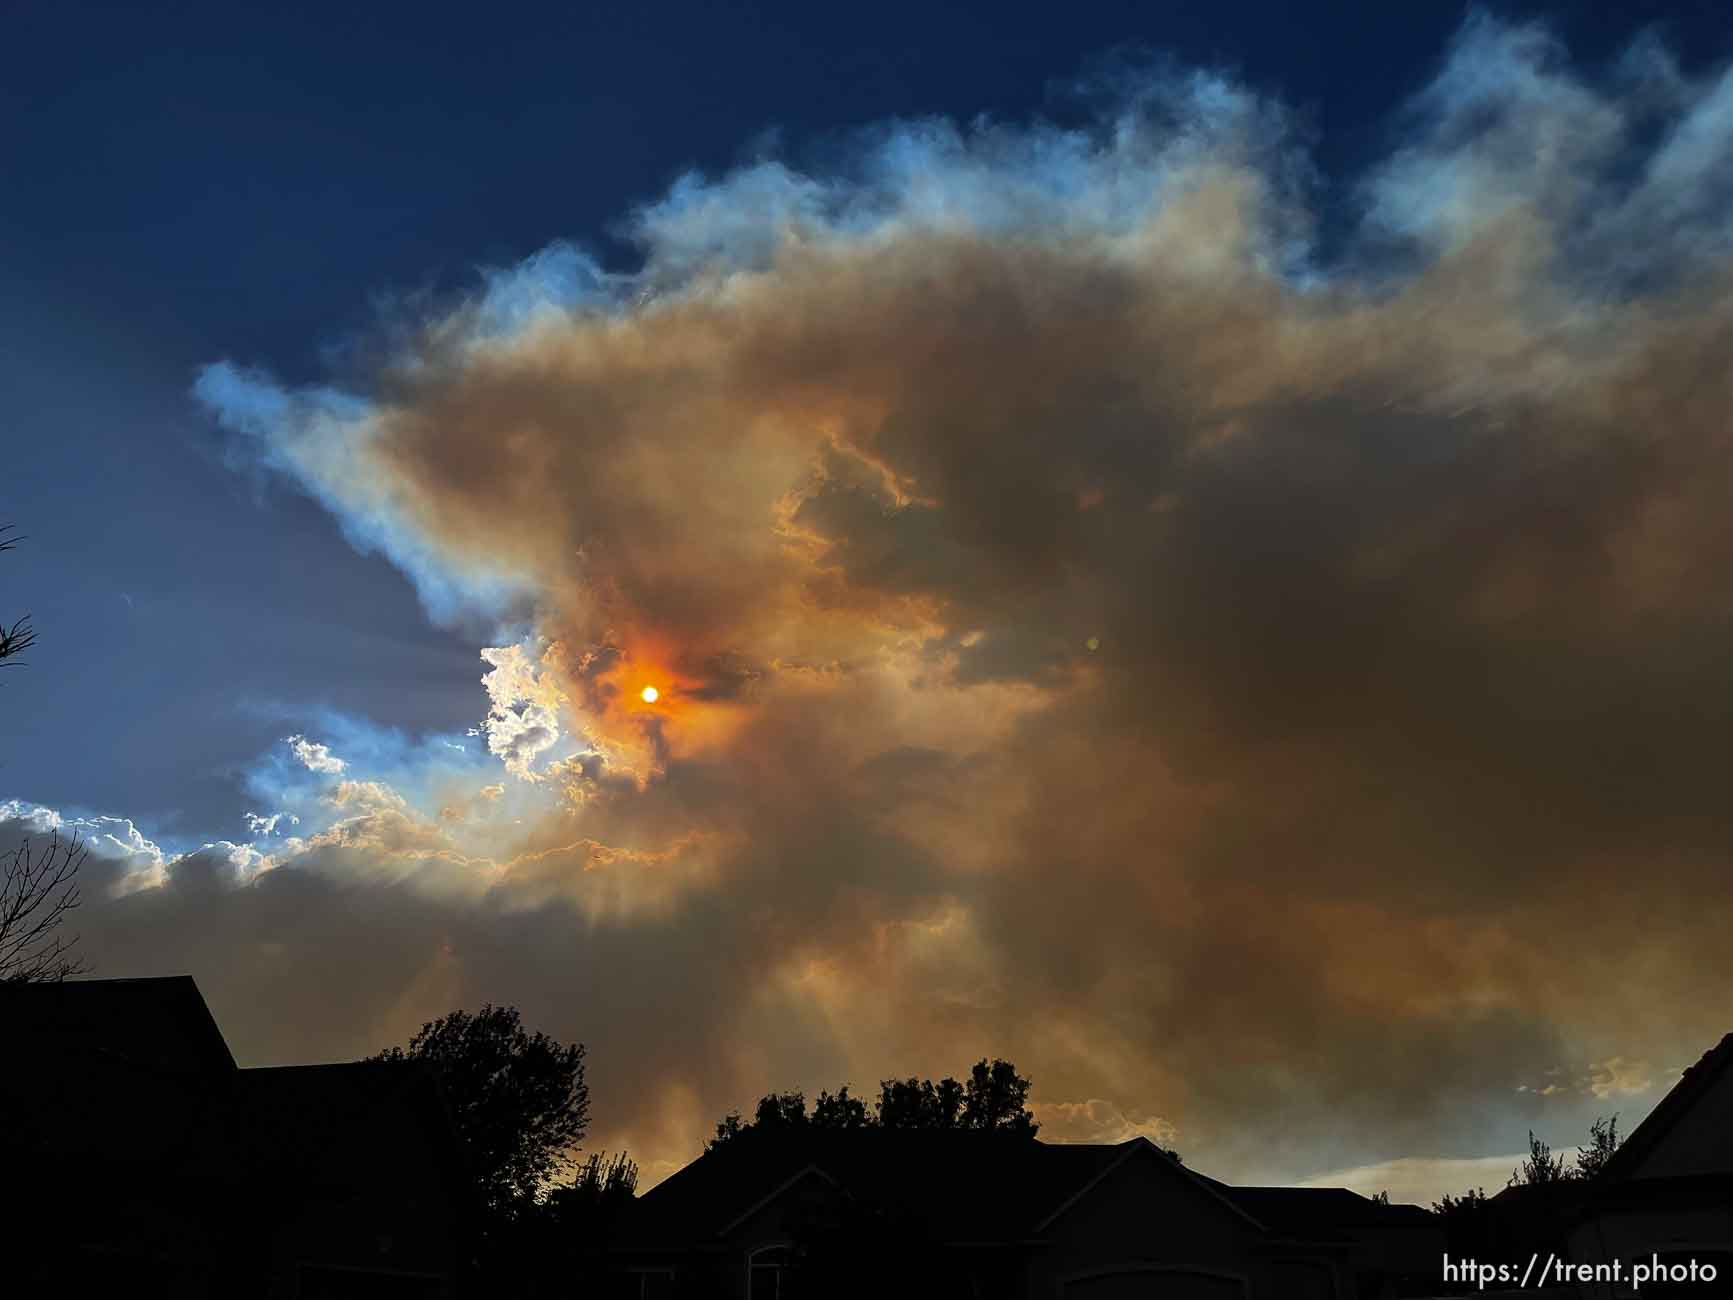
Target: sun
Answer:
[[649, 695]]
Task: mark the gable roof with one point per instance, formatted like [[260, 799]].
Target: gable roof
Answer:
[[157, 1024], [809, 1171], [959, 1186], [1141, 1147], [1693, 1085], [121, 1072], [956, 1185]]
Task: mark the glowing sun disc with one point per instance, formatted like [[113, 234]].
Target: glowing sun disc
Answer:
[[649, 695]]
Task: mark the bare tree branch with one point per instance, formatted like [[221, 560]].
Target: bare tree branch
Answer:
[[37, 891], [18, 638], [15, 640]]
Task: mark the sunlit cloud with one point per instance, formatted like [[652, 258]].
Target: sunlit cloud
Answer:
[[526, 704], [261, 825], [1618, 1077], [314, 756], [1022, 590]]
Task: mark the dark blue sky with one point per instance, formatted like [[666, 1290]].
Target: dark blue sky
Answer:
[[189, 182]]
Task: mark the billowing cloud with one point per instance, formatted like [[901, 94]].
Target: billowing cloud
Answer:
[[1251, 646], [314, 756], [260, 824], [526, 702]]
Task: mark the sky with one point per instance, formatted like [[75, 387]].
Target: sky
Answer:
[[1188, 549]]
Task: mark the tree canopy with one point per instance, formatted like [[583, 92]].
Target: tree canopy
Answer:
[[1603, 1141], [518, 1100], [994, 1096], [601, 1188], [1542, 1166], [1468, 1219]]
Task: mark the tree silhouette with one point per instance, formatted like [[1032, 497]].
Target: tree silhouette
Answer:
[[732, 1126], [920, 1103], [1467, 1222], [781, 1110], [994, 1097], [557, 1246], [518, 1100], [1603, 1141], [1541, 1167], [1473, 1199], [601, 1189], [839, 1110]]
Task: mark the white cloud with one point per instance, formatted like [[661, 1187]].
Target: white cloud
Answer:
[[109, 837], [523, 721], [365, 797], [324, 440], [115, 837], [118, 837], [37, 819], [244, 858], [259, 824], [314, 756]]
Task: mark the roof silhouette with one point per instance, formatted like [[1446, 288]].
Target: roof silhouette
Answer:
[[160, 1023], [963, 1184], [1693, 1083], [135, 1072], [955, 1185]]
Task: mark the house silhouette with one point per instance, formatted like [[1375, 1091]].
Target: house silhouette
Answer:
[[141, 1161], [1664, 1198], [1666, 1195], [769, 1215]]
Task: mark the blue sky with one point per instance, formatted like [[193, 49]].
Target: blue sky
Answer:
[[341, 346]]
